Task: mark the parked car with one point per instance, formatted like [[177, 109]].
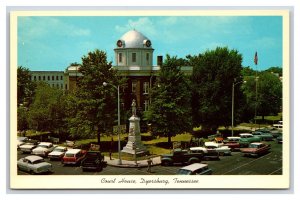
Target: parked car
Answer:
[[93, 160], [28, 146], [195, 169], [21, 141], [57, 153], [275, 132], [265, 136], [208, 154], [247, 138], [222, 150], [73, 156], [43, 149], [219, 140], [256, 149], [233, 143], [279, 139], [34, 165], [181, 156]]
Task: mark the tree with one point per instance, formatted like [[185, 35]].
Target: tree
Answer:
[[214, 73], [25, 87], [96, 104], [44, 113], [170, 110], [275, 70], [247, 71], [269, 94]]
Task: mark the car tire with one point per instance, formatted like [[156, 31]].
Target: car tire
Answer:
[[166, 163]]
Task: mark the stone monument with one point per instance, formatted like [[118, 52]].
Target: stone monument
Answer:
[[134, 144]]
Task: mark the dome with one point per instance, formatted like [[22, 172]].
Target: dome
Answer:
[[134, 39]]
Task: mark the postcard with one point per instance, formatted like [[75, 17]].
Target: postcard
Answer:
[[150, 99]]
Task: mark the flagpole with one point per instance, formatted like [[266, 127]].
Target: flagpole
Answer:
[[256, 80]]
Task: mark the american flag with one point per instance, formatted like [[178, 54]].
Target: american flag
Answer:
[[255, 58]]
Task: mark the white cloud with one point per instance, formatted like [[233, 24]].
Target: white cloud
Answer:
[[143, 24], [41, 27]]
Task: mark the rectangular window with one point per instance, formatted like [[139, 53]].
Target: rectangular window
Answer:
[[120, 57], [52, 78], [39, 78], [147, 58], [133, 86], [57, 78], [48, 78], [133, 57], [34, 78], [146, 105], [61, 77], [44, 78], [146, 87]]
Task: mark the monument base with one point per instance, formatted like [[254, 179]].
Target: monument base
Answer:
[[130, 149]]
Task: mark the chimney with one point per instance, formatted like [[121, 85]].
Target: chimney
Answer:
[[159, 60]]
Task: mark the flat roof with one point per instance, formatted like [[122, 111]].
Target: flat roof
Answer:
[[194, 166]]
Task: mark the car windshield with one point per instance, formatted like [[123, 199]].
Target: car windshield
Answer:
[[59, 150], [184, 172], [38, 161], [253, 146], [43, 145], [28, 143]]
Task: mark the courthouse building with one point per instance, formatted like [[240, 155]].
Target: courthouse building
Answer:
[[133, 60]]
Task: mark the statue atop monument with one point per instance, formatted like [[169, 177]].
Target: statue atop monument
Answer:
[[133, 105]]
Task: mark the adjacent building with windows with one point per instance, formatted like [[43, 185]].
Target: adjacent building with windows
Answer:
[[55, 79]]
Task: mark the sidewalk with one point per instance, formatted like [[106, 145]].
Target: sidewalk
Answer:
[[131, 164]]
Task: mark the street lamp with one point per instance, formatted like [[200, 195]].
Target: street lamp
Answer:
[[119, 141], [232, 102]]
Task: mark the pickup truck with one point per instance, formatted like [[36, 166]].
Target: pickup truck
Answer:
[[93, 160], [182, 157], [256, 149]]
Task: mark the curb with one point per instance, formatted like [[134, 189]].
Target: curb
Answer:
[[131, 164]]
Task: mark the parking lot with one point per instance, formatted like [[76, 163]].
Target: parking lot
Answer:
[[236, 164]]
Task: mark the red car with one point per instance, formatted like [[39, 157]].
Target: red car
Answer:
[[256, 149], [232, 143], [73, 156]]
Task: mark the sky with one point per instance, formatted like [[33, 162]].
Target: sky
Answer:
[[52, 43]]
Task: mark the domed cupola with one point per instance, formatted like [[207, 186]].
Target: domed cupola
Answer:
[[133, 39], [134, 50]]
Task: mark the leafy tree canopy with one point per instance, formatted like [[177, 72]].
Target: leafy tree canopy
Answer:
[[170, 110], [214, 73]]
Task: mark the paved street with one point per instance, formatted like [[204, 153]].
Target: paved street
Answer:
[[236, 164]]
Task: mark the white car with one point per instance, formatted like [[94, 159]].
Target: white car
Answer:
[[57, 153], [34, 165], [222, 150], [28, 146], [21, 141], [195, 169], [43, 149]]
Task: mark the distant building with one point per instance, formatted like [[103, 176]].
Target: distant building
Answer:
[[55, 79]]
